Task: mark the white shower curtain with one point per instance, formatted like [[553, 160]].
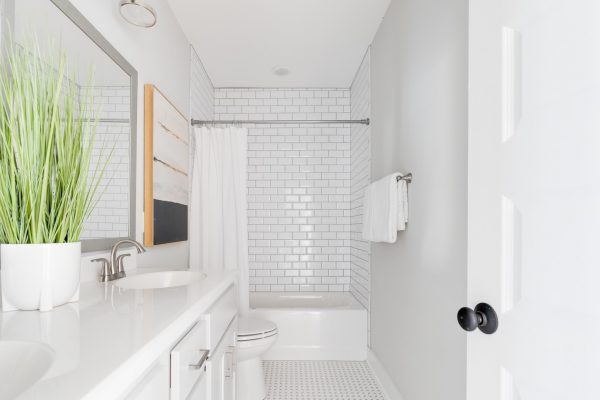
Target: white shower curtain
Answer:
[[218, 211]]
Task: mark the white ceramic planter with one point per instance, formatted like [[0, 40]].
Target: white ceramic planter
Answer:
[[39, 276]]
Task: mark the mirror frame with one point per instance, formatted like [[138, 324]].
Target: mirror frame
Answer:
[[87, 28]]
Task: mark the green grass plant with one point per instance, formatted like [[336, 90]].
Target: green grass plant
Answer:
[[48, 180]]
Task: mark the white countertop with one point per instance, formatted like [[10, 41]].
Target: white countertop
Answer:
[[110, 338]]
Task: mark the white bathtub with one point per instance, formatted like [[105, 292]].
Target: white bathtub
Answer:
[[314, 325]]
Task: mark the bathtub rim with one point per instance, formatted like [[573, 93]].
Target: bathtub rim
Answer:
[[352, 305]]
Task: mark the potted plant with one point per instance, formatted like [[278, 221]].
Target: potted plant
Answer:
[[48, 179]]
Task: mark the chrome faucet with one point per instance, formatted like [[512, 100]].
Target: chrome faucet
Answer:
[[116, 263], [113, 269]]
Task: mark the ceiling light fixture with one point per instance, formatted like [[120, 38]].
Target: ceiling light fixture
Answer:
[[280, 71], [138, 13]]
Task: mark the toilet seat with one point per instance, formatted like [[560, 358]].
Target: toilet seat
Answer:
[[250, 329]]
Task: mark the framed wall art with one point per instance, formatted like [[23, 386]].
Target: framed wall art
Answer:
[[166, 170]]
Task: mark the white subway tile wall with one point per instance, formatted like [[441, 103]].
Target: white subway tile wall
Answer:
[[299, 187], [202, 92], [360, 260], [110, 217]]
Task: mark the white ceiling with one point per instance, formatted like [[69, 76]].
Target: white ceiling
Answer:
[[321, 42]]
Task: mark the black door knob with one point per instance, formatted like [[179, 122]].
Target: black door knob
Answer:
[[483, 317]]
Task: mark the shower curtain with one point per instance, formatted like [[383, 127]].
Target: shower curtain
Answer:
[[218, 211]]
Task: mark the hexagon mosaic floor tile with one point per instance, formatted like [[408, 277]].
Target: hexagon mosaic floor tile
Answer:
[[321, 380]]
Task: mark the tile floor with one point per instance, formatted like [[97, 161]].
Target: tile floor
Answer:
[[321, 380]]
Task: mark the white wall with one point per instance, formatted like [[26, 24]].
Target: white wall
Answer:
[[298, 187], [161, 56], [419, 109]]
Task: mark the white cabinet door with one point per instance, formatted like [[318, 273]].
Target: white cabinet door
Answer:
[[534, 198], [188, 361], [201, 390], [220, 368]]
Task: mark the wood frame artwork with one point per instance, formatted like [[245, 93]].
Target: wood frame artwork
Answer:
[[166, 165]]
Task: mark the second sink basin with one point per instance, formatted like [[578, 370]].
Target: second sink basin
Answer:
[[159, 280], [22, 364]]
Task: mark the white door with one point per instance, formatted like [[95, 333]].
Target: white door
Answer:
[[534, 198]]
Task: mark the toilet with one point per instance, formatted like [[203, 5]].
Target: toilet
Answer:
[[254, 338]]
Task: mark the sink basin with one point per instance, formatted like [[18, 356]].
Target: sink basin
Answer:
[[159, 280], [22, 364]]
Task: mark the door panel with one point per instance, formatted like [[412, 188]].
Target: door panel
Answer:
[[220, 368], [534, 198]]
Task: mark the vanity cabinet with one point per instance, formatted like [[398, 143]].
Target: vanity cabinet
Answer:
[[188, 366], [202, 361], [203, 374], [200, 366], [221, 368], [216, 379]]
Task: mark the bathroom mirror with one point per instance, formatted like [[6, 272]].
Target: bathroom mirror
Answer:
[[111, 83]]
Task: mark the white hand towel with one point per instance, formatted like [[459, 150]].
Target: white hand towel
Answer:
[[385, 209]]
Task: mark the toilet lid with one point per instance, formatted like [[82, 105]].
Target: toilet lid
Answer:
[[251, 328]]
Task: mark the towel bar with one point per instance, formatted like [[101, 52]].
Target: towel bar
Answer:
[[407, 178]]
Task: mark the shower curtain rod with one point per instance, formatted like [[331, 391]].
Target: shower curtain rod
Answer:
[[106, 120], [366, 121], [114, 120]]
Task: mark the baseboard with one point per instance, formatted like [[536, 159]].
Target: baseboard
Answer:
[[387, 385]]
